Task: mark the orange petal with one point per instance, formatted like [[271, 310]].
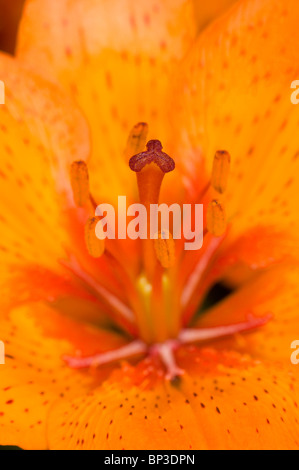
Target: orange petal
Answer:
[[262, 247], [40, 131], [275, 293], [34, 283], [208, 11], [235, 94], [116, 58], [221, 402], [34, 375]]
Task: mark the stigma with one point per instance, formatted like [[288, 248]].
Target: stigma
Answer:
[[153, 154]]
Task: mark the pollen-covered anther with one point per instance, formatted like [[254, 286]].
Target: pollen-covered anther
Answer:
[[95, 246], [80, 183], [165, 249], [220, 171], [216, 218], [137, 139], [153, 154]]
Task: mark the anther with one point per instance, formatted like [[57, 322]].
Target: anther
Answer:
[[80, 183], [165, 249], [220, 171], [216, 218], [95, 246], [137, 139]]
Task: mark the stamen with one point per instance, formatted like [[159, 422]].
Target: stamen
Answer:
[[166, 353], [220, 171], [137, 139], [116, 305], [95, 246], [196, 276], [80, 183], [165, 249], [216, 219], [127, 351], [202, 334]]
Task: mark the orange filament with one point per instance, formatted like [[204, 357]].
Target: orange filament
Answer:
[[220, 171], [80, 183], [194, 335], [95, 246], [216, 219], [165, 249], [137, 139], [125, 352], [165, 350]]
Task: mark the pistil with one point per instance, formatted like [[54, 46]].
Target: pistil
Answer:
[[150, 167]]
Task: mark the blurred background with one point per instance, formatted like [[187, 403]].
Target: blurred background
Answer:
[[10, 14]]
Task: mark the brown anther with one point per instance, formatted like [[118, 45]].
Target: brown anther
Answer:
[[137, 140], [80, 183], [216, 218], [165, 249], [153, 154], [220, 172], [95, 246]]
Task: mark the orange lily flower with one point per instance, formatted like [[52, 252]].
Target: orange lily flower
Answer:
[[115, 346]]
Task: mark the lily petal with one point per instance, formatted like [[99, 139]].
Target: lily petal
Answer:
[[208, 11], [39, 129], [201, 410], [117, 59], [273, 292], [34, 375], [235, 95]]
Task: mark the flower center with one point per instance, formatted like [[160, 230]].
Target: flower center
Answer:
[[164, 295]]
